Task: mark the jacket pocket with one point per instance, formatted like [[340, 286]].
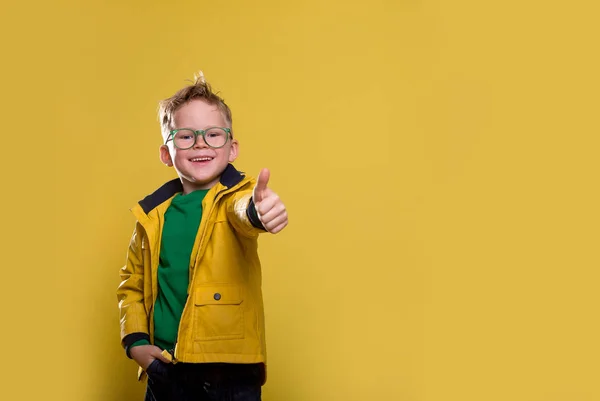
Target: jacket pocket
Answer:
[[218, 313]]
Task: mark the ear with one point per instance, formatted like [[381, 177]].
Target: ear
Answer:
[[233, 150], [165, 156]]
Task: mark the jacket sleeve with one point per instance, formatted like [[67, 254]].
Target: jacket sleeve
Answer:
[[130, 294], [242, 214]]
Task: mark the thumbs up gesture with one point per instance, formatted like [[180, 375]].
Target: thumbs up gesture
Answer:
[[271, 210]]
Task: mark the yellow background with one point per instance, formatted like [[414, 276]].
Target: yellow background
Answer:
[[439, 160]]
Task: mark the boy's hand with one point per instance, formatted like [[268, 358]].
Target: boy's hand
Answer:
[[271, 210], [144, 355]]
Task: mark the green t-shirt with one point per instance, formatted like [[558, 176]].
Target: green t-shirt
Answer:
[[182, 220]]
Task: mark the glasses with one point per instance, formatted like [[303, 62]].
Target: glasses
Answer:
[[185, 138]]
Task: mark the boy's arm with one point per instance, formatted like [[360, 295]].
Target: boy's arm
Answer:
[[130, 293]]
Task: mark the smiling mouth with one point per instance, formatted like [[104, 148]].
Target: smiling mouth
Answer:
[[201, 159]]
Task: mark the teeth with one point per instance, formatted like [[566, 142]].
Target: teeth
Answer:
[[201, 159]]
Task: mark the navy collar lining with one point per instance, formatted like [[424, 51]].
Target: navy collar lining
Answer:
[[229, 178]]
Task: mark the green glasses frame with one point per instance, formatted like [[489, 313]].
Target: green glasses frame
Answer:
[[201, 132]]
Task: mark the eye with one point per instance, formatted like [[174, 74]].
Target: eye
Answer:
[[214, 133], [184, 135]]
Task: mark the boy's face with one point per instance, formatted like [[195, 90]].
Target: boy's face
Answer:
[[200, 166]]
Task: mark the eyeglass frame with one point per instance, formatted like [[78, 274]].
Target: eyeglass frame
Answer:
[[201, 132]]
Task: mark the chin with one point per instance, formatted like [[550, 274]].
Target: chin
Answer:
[[202, 178], [203, 181]]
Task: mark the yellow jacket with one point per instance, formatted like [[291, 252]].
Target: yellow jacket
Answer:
[[223, 318]]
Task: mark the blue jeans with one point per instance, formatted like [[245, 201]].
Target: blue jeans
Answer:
[[204, 382]]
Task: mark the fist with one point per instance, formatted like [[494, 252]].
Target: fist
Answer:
[[271, 210]]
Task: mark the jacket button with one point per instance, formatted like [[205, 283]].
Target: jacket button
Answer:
[[217, 296]]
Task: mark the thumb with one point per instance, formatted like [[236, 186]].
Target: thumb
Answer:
[[261, 185]]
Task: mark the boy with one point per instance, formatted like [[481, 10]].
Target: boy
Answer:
[[190, 302]]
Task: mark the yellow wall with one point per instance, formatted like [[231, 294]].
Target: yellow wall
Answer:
[[439, 160]]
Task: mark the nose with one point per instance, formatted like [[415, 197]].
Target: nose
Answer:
[[200, 143]]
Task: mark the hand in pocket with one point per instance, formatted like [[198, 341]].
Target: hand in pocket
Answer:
[[145, 355]]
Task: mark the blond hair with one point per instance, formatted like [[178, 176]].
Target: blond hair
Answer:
[[199, 90]]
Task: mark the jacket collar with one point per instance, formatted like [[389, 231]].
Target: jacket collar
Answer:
[[229, 178]]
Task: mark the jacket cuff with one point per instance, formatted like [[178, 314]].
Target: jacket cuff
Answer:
[[129, 339], [253, 215]]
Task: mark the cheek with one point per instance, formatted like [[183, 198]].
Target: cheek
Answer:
[[179, 155], [179, 158], [222, 154]]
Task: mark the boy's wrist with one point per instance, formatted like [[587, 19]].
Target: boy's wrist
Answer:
[[252, 215], [135, 344]]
